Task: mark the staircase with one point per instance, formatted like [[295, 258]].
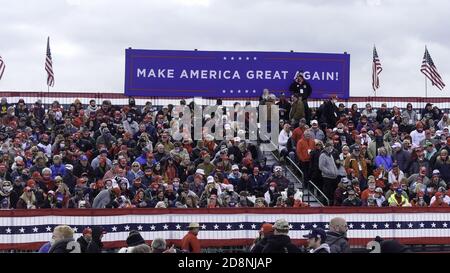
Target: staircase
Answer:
[[290, 174]]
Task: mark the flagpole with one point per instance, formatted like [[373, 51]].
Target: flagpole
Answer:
[[426, 89]]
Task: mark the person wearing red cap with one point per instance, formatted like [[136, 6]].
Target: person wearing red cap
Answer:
[[260, 242], [439, 200], [84, 239]]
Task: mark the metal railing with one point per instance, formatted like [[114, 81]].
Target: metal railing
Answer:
[[312, 188]]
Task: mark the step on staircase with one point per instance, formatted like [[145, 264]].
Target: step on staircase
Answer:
[[290, 174]]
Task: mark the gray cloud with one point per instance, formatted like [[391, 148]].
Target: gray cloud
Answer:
[[88, 38]]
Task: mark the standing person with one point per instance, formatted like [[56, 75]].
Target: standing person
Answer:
[[317, 241], [85, 239], [265, 232], [190, 242], [337, 236], [63, 241], [96, 245], [280, 242], [302, 87], [327, 166], [297, 111]]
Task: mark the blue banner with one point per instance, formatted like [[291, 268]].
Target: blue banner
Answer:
[[232, 74]]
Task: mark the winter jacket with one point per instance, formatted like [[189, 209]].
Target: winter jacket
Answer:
[[403, 158], [102, 199], [83, 244], [444, 168], [304, 147], [323, 248], [259, 246], [352, 163], [337, 242], [328, 166], [280, 244], [68, 245], [283, 139], [297, 110], [95, 245]]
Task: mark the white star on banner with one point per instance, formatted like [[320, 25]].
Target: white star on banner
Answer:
[[114, 228], [239, 91], [444, 225], [228, 226], [410, 225], [254, 91], [386, 225], [247, 58], [139, 227], [22, 230], [231, 91], [302, 226], [246, 91], [225, 58], [422, 225], [290, 226], [178, 226], [48, 228], [127, 227], [216, 226], [203, 226], [35, 229], [399, 225], [224, 91], [75, 229], [375, 226], [327, 226], [241, 226], [314, 226], [239, 58], [166, 226], [254, 58], [232, 58], [152, 227], [350, 226], [253, 226], [8, 230], [363, 226], [433, 225]]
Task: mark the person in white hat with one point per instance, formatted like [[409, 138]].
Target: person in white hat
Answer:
[[190, 242], [235, 176]]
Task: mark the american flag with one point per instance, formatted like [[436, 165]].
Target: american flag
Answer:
[[430, 71], [49, 65], [2, 67], [376, 70]]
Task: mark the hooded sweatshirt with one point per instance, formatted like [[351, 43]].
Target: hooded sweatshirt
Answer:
[[323, 248]]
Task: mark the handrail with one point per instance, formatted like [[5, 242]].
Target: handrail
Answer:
[[316, 188], [309, 182]]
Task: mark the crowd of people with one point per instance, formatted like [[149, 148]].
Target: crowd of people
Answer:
[[370, 157], [125, 156], [272, 238]]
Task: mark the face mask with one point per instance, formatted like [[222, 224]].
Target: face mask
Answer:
[[176, 184], [372, 187], [429, 190], [272, 188], [340, 131], [62, 145], [129, 119]]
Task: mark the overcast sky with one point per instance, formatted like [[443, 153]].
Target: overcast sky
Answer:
[[89, 37]]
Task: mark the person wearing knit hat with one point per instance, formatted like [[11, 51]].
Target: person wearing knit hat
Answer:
[[135, 238]]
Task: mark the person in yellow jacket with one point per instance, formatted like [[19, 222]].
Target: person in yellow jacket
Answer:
[[398, 199]]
